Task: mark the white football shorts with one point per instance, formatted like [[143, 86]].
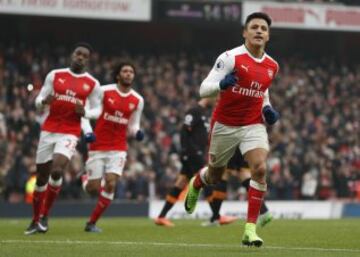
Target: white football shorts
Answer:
[[224, 140], [101, 162], [55, 143]]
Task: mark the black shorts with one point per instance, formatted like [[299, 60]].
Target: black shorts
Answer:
[[191, 165], [237, 161]]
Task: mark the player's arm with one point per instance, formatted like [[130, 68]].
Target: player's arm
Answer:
[[220, 77], [93, 108], [266, 100], [87, 130], [46, 92], [134, 123], [86, 126]]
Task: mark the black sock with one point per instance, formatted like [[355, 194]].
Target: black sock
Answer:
[[208, 191], [219, 195], [246, 183], [170, 201]]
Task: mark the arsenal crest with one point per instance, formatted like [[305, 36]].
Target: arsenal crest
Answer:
[[131, 106], [270, 73]]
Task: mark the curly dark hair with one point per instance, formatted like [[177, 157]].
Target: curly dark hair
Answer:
[[119, 66]]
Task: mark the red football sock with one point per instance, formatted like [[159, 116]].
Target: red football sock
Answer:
[[38, 200], [199, 181], [103, 202], [255, 198], [51, 193]]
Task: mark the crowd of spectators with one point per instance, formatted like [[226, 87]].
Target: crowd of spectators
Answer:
[[315, 152]]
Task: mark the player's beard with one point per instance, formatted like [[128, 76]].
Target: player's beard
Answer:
[[125, 83], [77, 67]]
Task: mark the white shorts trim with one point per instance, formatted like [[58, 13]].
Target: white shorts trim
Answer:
[[101, 162], [51, 143], [225, 139]]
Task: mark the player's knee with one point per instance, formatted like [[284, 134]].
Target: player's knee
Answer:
[[215, 175], [56, 173], [42, 179], [110, 185], [259, 171], [92, 188]]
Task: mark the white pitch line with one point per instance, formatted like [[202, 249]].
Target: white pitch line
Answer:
[[177, 244]]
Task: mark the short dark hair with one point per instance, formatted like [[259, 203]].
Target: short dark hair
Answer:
[[119, 66], [85, 45], [258, 15]]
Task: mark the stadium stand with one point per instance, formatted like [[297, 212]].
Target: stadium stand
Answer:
[[315, 147]]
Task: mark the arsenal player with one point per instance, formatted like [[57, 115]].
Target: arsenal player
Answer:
[[121, 112], [241, 77], [65, 91]]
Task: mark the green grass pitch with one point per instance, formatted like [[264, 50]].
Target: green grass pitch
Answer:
[[140, 237]]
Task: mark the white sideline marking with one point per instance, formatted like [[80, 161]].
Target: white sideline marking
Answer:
[[177, 244]]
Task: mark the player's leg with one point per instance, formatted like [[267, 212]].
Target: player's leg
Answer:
[[255, 148], [43, 165], [95, 168], [106, 195], [218, 196], [221, 189], [63, 151], [223, 143], [265, 216], [171, 198], [208, 194], [42, 177], [114, 163], [59, 164]]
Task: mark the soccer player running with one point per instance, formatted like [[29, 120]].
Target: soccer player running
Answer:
[[241, 77], [194, 141], [65, 91], [122, 107]]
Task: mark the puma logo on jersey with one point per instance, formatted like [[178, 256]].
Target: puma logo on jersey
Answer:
[[62, 81], [111, 101], [246, 68]]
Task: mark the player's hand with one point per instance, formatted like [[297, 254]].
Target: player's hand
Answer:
[[139, 136], [229, 81], [79, 108], [47, 100], [90, 137], [271, 116]]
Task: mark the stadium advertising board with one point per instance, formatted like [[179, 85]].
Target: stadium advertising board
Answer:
[[280, 209], [192, 11], [132, 10], [307, 16]]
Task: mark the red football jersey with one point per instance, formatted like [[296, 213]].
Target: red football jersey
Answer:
[[241, 104], [121, 112], [67, 88]]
